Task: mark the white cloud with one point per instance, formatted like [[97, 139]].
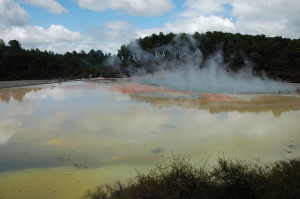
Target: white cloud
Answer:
[[272, 9], [51, 5], [55, 38], [12, 14], [133, 7], [201, 24], [113, 26], [113, 49], [196, 8], [191, 25], [272, 18], [110, 36], [270, 28], [59, 39], [113, 32], [60, 47], [36, 34], [118, 31]]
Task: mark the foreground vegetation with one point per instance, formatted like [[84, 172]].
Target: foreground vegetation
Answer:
[[230, 178]]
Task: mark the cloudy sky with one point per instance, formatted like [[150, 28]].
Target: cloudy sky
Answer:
[[67, 25]]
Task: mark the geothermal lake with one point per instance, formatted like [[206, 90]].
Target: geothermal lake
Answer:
[[58, 140]]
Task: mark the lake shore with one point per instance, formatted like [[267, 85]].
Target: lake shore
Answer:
[[18, 83]]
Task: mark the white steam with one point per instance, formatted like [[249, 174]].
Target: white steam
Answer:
[[213, 77]]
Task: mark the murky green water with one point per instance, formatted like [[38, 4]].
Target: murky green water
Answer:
[[58, 140]]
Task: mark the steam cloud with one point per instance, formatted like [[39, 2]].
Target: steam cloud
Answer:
[[213, 77]]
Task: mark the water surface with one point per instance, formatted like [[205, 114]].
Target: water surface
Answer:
[[57, 140]]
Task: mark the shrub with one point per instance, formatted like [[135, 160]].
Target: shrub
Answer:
[[229, 178]]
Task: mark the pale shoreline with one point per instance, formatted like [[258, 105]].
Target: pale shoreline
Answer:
[[18, 83]]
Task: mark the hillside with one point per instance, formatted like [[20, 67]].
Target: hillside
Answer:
[[274, 57]]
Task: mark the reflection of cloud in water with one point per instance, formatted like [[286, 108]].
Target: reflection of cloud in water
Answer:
[[124, 121], [188, 131], [6, 129], [118, 97], [139, 121], [57, 117], [12, 117], [21, 103], [56, 94], [34, 93], [103, 130], [94, 127]]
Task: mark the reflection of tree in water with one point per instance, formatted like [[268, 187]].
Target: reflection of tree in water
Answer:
[[5, 98], [17, 94], [276, 104]]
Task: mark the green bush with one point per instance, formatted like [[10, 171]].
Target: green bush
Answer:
[[230, 178]]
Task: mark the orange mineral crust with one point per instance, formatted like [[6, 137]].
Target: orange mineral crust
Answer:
[[137, 88]]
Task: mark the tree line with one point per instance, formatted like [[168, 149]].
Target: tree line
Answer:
[[17, 63], [277, 57]]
